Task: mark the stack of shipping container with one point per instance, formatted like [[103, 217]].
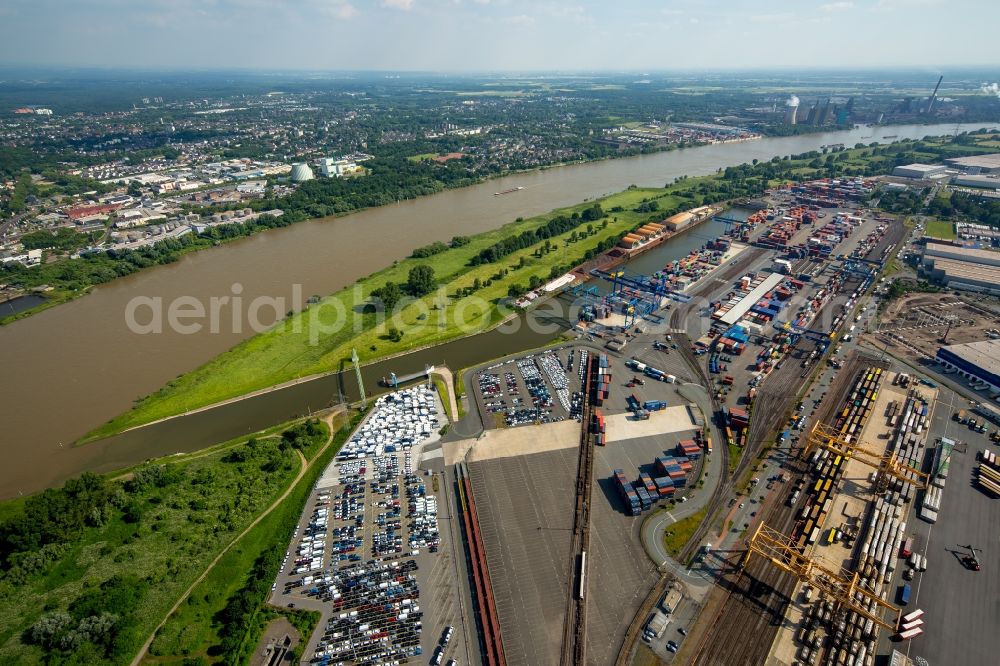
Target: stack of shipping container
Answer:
[[598, 427], [602, 382], [688, 447], [628, 493], [738, 418]]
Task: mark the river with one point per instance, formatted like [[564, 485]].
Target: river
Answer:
[[69, 368]]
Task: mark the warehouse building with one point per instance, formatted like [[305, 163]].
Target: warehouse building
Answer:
[[964, 268], [678, 221], [687, 218], [974, 361], [985, 182], [976, 164], [920, 171]]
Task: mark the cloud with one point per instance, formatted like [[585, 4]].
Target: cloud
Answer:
[[836, 6], [991, 89], [771, 18], [341, 9], [405, 5], [520, 19], [892, 5], [565, 12]]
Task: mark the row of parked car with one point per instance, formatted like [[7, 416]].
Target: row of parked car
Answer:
[[422, 512], [376, 616], [310, 554]]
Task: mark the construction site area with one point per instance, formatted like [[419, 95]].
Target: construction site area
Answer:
[[917, 324]]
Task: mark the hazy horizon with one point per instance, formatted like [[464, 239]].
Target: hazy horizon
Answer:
[[482, 36]]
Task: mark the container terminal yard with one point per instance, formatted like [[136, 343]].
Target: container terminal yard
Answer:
[[840, 494]]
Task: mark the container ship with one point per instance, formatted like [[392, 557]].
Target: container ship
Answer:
[[513, 189]]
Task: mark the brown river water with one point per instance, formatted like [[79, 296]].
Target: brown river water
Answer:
[[73, 367]]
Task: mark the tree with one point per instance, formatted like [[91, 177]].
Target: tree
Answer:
[[135, 188], [421, 280], [595, 212], [389, 295]]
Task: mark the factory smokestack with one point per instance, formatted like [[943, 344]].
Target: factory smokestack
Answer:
[[930, 102]]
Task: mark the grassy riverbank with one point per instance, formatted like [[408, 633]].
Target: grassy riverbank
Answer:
[[89, 570], [310, 342], [320, 339]]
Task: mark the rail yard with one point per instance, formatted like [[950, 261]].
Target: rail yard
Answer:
[[731, 404]]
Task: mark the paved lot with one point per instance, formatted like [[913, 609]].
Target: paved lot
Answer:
[[509, 442], [620, 572], [525, 507], [441, 577], [512, 393], [962, 607]]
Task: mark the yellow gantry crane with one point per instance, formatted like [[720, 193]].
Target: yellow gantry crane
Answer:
[[827, 437], [841, 586]]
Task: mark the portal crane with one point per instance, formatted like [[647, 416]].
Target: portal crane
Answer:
[[887, 464], [843, 587]]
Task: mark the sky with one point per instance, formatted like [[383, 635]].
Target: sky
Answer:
[[499, 35]]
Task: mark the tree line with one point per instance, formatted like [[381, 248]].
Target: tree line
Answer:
[[556, 226]]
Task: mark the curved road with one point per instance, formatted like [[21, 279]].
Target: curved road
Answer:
[[654, 527]]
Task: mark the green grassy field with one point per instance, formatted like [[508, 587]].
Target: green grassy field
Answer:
[[163, 523], [678, 534], [940, 229], [320, 338], [735, 453], [193, 630]]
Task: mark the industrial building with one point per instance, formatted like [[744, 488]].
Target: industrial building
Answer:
[[991, 182], [687, 218], [974, 361], [301, 172], [736, 312], [678, 221], [920, 171], [976, 164], [331, 167], [964, 268]]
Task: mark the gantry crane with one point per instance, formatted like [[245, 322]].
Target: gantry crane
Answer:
[[887, 464], [357, 374], [843, 587]]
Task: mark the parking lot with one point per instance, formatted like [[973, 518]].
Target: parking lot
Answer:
[[960, 604], [535, 388], [368, 552]]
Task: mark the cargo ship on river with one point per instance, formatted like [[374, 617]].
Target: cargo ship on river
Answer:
[[513, 189]]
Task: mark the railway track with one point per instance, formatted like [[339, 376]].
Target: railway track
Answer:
[[574, 650], [757, 596], [489, 623]]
